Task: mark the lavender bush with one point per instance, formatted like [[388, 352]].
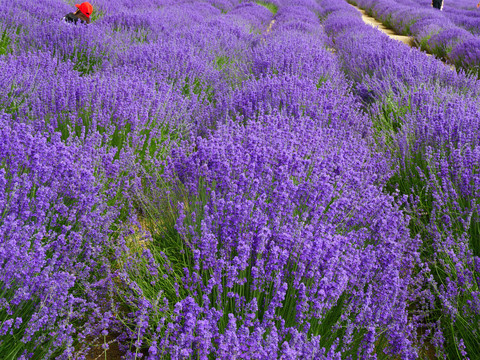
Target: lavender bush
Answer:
[[244, 192], [260, 185], [58, 234]]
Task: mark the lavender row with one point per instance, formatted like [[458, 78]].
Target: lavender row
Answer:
[[431, 29], [426, 117]]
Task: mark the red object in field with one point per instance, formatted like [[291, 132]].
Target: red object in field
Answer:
[[86, 8]]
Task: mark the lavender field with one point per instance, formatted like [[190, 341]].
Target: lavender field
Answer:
[[235, 179]]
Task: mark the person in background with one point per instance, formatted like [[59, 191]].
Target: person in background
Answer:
[[478, 5], [84, 10], [437, 4]]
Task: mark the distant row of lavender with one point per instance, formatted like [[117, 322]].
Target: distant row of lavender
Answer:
[[427, 117], [463, 13], [435, 31]]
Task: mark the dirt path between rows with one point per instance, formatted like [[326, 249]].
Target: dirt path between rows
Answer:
[[367, 19], [269, 28]]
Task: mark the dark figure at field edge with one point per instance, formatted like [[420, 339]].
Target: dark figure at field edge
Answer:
[[84, 10], [437, 4]]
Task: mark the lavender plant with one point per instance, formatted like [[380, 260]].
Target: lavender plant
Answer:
[[266, 221], [57, 233], [237, 253]]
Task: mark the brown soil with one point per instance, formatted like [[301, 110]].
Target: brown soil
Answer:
[[113, 353]]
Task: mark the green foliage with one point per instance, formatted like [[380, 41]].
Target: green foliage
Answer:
[[140, 36], [470, 70], [272, 7], [11, 104], [388, 119], [321, 81], [221, 62], [199, 88], [407, 26], [5, 43], [97, 13], [230, 70], [423, 43], [438, 50], [386, 20], [86, 62]]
